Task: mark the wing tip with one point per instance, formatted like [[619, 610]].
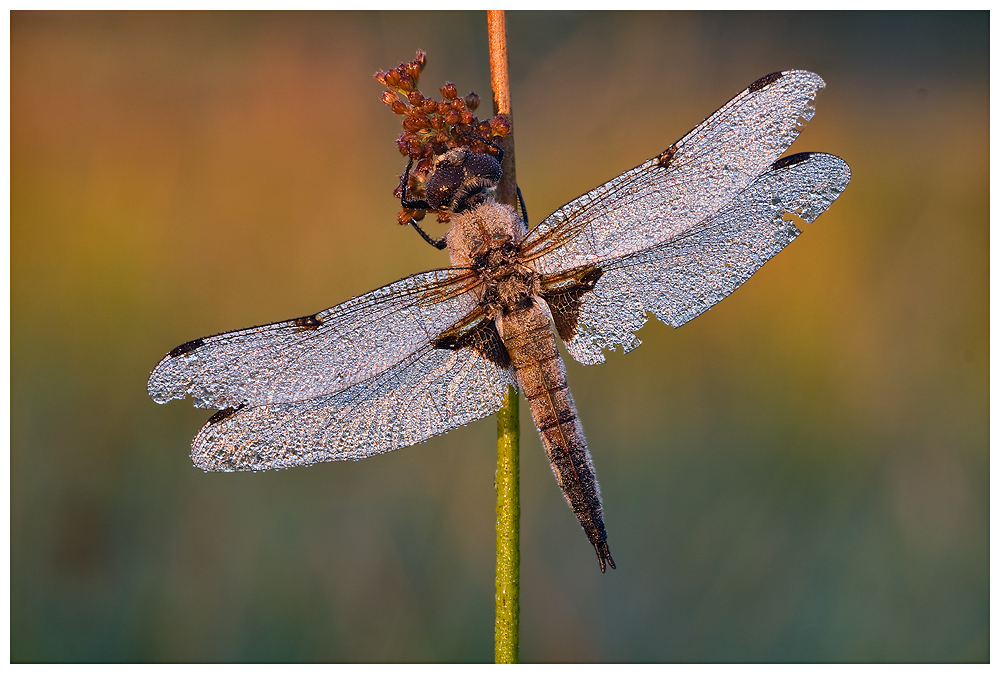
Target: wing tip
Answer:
[[764, 81], [185, 348], [769, 79]]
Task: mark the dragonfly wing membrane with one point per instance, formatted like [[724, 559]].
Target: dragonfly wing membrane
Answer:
[[689, 181], [683, 277], [434, 390], [317, 355]]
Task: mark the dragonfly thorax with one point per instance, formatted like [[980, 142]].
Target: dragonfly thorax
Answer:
[[487, 240]]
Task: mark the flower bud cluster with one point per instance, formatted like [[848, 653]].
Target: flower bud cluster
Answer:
[[431, 128]]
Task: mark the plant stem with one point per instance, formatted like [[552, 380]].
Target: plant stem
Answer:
[[508, 568], [500, 81], [508, 580]]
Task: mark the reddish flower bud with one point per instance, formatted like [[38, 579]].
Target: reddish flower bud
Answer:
[[483, 129], [405, 82], [500, 126], [428, 106], [466, 117], [452, 117], [457, 103], [392, 78], [437, 123], [421, 59], [389, 97], [399, 107], [413, 70], [380, 76], [449, 90], [443, 107], [415, 98], [472, 100]]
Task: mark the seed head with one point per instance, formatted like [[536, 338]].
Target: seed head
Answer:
[[500, 125], [431, 128]]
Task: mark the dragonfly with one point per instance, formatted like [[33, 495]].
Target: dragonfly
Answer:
[[439, 349]]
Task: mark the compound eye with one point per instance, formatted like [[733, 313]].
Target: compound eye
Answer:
[[441, 186], [484, 167]]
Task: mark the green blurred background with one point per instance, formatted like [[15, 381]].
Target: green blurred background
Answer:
[[801, 474]]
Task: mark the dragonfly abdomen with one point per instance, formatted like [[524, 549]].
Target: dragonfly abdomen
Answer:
[[531, 343]]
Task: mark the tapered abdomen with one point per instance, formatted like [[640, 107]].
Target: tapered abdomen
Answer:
[[531, 343]]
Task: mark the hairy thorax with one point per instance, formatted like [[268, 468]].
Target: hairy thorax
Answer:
[[487, 240]]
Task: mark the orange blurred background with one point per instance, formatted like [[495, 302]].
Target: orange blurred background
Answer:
[[801, 474]]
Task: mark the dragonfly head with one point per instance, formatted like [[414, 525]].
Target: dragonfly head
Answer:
[[462, 180]]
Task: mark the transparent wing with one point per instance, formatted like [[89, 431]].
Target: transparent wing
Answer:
[[689, 181], [432, 391], [681, 278], [315, 356]]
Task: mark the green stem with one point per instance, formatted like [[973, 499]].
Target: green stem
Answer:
[[508, 605]]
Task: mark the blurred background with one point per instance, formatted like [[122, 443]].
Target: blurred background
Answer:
[[800, 474]]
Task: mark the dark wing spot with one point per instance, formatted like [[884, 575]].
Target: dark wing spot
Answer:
[[224, 414], [565, 302], [664, 158], [483, 338], [765, 80], [791, 160], [187, 347], [447, 342], [307, 322]]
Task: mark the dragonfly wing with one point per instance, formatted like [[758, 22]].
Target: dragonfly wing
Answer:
[[316, 356], [435, 389], [679, 188], [680, 278]]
